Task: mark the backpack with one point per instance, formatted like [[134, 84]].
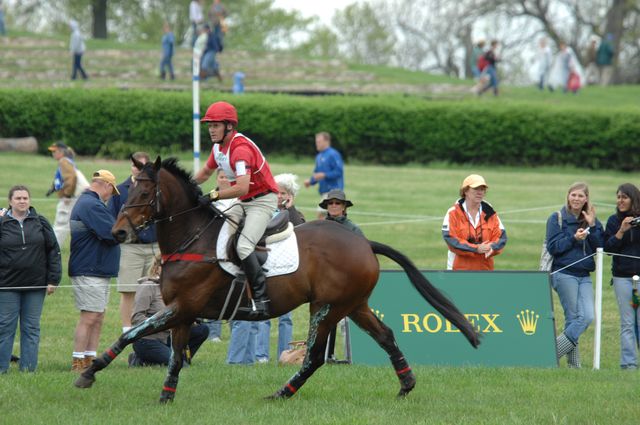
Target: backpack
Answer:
[[546, 259], [573, 84], [482, 62]]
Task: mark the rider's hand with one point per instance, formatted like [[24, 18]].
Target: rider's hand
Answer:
[[207, 198]]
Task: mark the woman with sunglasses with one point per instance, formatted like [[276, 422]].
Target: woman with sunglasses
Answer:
[[336, 205], [472, 230]]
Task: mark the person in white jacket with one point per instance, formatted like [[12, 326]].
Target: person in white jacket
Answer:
[[544, 59], [77, 48], [564, 64]]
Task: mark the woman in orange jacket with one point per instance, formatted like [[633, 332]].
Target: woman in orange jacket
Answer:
[[472, 229]]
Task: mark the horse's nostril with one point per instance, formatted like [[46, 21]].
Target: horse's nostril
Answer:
[[120, 235]]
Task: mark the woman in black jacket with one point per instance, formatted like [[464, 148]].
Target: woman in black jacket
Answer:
[[30, 266], [622, 236]]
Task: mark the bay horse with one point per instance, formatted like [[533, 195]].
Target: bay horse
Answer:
[[337, 272]]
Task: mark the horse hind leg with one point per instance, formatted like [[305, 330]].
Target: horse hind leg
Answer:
[[179, 339], [159, 322], [320, 325], [383, 335]]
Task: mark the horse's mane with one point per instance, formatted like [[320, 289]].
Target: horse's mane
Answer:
[[171, 165]]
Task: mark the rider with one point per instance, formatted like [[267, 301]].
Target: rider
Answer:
[[251, 182]]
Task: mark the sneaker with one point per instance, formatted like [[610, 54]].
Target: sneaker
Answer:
[[133, 360], [215, 339], [333, 360], [88, 360], [15, 359], [77, 365], [262, 360]]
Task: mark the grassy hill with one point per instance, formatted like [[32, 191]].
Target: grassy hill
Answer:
[[37, 61], [30, 60]]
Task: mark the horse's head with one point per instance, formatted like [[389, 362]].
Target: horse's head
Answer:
[[143, 203]]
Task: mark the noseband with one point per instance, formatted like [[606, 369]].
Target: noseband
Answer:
[[155, 202]]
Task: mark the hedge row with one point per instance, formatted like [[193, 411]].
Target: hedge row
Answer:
[[390, 130]]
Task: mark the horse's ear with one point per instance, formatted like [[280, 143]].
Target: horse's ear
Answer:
[[158, 163], [137, 163]]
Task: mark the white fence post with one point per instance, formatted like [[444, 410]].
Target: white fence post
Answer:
[[598, 309], [195, 87]]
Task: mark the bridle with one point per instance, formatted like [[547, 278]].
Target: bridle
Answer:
[[154, 218], [154, 202]]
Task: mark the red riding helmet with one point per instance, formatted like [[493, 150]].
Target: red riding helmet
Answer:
[[221, 111]]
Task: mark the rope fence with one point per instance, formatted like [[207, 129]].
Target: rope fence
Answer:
[[599, 260], [16, 288]]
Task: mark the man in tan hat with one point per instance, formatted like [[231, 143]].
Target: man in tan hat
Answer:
[[94, 260], [64, 185], [472, 230]]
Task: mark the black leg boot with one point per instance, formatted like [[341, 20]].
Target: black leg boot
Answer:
[[258, 282]]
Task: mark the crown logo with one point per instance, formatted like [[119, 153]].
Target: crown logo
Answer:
[[378, 314], [528, 321]]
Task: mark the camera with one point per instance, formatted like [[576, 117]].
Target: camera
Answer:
[[635, 221]]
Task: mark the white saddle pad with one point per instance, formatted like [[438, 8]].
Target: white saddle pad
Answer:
[[283, 255]]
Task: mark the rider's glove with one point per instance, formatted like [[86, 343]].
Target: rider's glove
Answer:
[[207, 198]]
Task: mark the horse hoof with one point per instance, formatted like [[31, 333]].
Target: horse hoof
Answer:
[[84, 382], [408, 383], [166, 397], [281, 394]]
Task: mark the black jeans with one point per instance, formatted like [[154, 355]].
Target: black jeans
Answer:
[[157, 352], [77, 66]]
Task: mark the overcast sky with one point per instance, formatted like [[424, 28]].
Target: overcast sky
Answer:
[[322, 9]]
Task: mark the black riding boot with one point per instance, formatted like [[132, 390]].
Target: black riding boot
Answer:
[[258, 282]]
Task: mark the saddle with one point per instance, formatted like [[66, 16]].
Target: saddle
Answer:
[[277, 229]]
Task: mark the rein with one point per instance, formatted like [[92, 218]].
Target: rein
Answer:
[[178, 254]]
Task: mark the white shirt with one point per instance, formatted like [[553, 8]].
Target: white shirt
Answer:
[[473, 220], [195, 12]]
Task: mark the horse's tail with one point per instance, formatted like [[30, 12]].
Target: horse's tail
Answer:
[[429, 292]]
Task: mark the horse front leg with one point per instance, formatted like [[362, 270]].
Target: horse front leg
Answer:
[[179, 339], [319, 327], [160, 321]]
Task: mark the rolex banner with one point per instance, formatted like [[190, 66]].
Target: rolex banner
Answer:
[[513, 312]]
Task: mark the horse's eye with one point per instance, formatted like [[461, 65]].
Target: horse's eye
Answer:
[[145, 194]]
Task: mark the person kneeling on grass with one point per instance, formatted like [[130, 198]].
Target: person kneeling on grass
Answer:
[[155, 349]]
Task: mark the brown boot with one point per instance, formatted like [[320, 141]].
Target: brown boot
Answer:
[[87, 361], [77, 365]]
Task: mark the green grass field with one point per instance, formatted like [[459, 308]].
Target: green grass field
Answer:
[[400, 206]]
